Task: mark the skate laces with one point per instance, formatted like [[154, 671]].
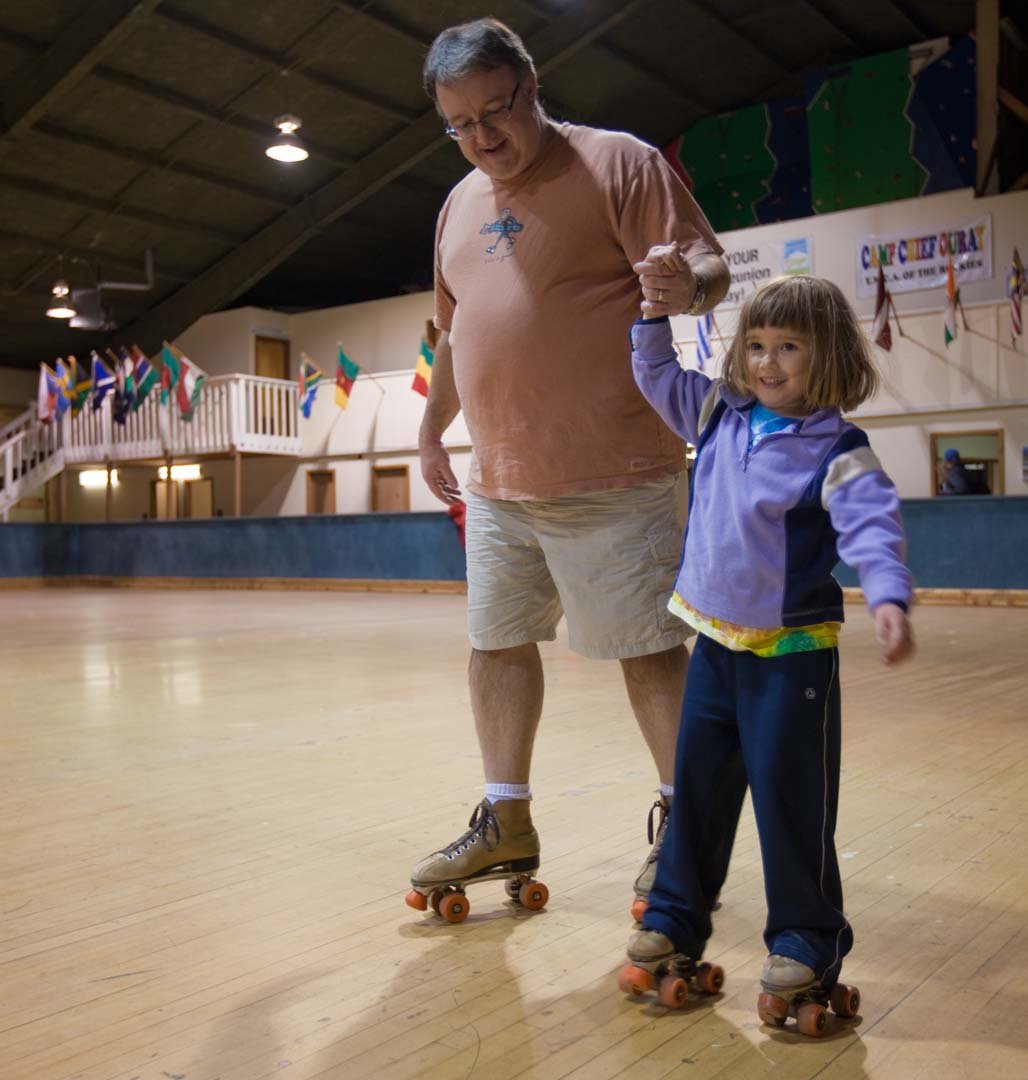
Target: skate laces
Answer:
[[660, 806], [482, 826]]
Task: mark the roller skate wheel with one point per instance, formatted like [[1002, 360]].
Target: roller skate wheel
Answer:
[[454, 907], [811, 1019], [639, 909], [710, 978], [673, 991], [634, 980], [772, 1009], [533, 895], [845, 1001], [416, 900], [513, 887], [436, 898]]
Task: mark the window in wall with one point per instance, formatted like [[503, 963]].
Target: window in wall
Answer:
[[967, 462]]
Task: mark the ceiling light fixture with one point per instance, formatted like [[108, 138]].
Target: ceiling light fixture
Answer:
[[60, 306], [287, 147]]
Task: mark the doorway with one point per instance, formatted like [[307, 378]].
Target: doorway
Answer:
[[321, 491], [390, 489], [271, 361], [159, 508], [199, 498]]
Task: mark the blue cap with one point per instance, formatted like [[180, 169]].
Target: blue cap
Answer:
[[952, 454]]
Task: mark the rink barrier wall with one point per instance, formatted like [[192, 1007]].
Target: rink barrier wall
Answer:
[[968, 550]]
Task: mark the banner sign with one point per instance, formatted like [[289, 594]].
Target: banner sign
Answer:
[[753, 265], [913, 261]]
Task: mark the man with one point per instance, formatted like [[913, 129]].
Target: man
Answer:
[[956, 479], [573, 498]]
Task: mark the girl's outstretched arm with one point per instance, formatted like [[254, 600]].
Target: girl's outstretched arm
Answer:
[[676, 394]]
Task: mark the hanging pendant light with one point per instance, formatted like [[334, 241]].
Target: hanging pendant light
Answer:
[[61, 306], [287, 147]]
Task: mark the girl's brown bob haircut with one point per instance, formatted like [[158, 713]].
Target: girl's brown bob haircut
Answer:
[[842, 369]]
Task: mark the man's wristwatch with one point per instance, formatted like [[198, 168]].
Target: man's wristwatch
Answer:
[[698, 297]]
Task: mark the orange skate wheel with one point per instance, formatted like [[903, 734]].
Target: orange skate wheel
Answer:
[[639, 909], [436, 897], [533, 895], [845, 1001], [673, 991], [634, 980], [416, 900], [772, 1009], [454, 907], [710, 978], [811, 1019]]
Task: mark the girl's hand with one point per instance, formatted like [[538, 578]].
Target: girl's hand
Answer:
[[892, 629]]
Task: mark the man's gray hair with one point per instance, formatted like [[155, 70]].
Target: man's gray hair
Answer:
[[482, 45]]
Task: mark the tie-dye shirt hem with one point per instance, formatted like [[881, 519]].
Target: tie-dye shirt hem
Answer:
[[761, 641]]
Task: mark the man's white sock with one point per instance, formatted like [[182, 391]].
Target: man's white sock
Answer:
[[499, 792], [667, 790]]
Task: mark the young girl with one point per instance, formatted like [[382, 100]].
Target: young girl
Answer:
[[782, 488]]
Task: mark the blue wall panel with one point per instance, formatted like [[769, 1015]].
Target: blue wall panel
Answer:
[[378, 546], [972, 542]]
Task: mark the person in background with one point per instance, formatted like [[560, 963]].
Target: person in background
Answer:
[[956, 479]]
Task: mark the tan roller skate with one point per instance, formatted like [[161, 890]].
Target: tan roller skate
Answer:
[[501, 844], [652, 959], [648, 873], [792, 989], [644, 882]]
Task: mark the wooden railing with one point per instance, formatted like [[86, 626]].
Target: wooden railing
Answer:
[[18, 424], [27, 460], [243, 413]]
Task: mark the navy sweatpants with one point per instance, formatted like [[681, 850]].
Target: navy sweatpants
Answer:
[[772, 723]]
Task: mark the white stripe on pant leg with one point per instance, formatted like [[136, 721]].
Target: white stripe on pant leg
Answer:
[[824, 806]]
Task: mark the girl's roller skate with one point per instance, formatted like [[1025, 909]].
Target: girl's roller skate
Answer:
[[500, 845], [644, 882], [792, 989], [652, 960]]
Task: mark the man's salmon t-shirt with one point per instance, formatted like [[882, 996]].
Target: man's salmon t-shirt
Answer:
[[534, 283]]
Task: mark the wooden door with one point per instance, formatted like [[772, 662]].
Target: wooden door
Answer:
[[390, 489], [159, 500], [321, 491], [199, 498], [271, 361]]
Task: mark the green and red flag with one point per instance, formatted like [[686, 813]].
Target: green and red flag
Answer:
[[423, 370], [346, 373], [181, 378]]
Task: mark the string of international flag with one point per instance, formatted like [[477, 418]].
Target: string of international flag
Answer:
[[311, 377], [1016, 290], [130, 377]]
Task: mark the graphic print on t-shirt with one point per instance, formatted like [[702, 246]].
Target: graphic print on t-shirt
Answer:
[[506, 228]]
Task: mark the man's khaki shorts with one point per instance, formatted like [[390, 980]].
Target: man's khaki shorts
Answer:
[[607, 560]]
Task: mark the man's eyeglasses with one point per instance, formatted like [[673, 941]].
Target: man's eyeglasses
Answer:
[[486, 120]]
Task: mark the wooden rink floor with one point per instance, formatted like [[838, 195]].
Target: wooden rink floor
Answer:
[[211, 802]]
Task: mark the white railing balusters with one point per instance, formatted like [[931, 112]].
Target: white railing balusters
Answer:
[[244, 413]]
